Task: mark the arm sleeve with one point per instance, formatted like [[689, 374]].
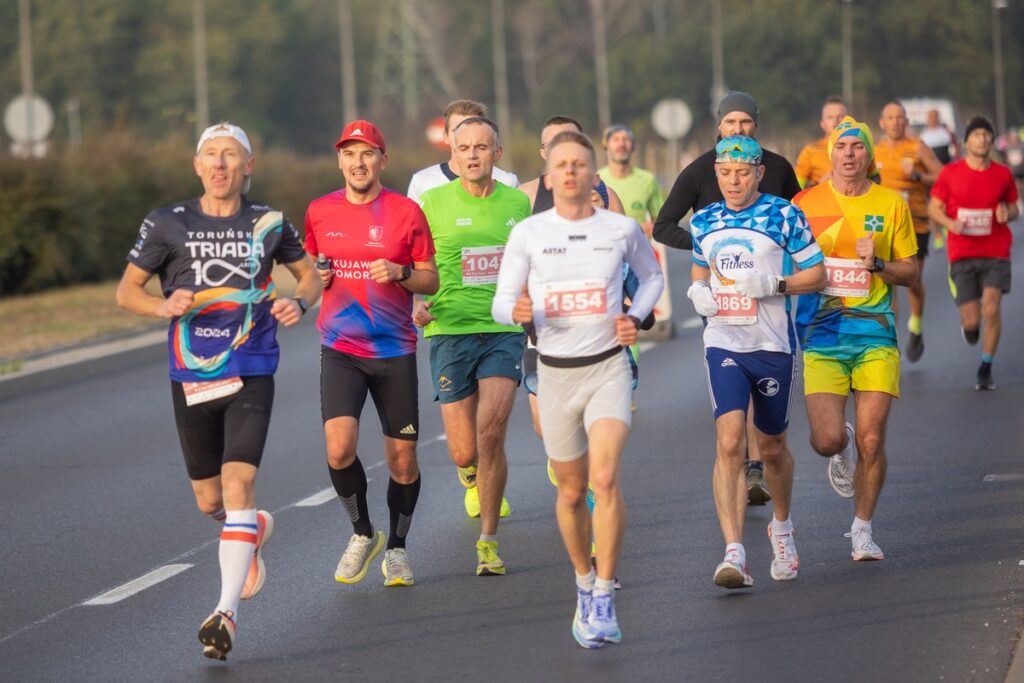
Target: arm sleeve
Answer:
[[515, 268], [290, 249], [680, 200], [642, 261], [150, 250]]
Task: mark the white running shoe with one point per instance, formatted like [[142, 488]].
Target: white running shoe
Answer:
[[356, 559], [841, 467], [730, 573], [601, 621], [580, 628], [864, 547], [785, 561], [396, 568]]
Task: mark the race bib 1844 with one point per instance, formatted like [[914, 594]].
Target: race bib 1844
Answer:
[[568, 303], [480, 265], [847, 277]]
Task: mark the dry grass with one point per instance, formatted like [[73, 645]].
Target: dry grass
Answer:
[[36, 323]]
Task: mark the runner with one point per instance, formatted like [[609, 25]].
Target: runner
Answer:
[[695, 188], [373, 251], [214, 256], [637, 188], [848, 331], [475, 361], [570, 259], [813, 166], [743, 251], [975, 199], [441, 174], [940, 139], [906, 165]]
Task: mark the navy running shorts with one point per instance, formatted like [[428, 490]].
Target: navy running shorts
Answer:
[[459, 361], [764, 376]]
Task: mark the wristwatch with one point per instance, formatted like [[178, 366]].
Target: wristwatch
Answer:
[[878, 266], [406, 273], [782, 285], [302, 304]]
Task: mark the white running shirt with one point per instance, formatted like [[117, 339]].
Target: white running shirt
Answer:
[[573, 270], [434, 176]]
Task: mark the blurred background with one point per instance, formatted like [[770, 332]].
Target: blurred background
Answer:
[[127, 84]]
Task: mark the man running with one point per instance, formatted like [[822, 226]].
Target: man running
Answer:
[[441, 174], [848, 331], [813, 166], [562, 271], [695, 188], [373, 251], [906, 165], [940, 139], [975, 199], [214, 257], [637, 188], [476, 362], [743, 251]]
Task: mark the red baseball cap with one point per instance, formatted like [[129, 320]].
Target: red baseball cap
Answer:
[[363, 131]]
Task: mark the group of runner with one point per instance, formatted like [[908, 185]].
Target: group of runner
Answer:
[[550, 284]]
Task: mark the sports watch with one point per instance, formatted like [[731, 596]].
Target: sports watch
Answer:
[[406, 273], [877, 266], [782, 285], [303, 306]]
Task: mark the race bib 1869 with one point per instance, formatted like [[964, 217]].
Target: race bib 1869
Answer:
[[480, 265], [734, 308], [568, 303], [847, 277], [977, 222]]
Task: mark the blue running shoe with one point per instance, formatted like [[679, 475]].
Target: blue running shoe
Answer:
[[580, 628], [601, 622]]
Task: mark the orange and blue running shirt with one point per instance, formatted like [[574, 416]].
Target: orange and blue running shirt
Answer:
[[844, 326], [889, 160]]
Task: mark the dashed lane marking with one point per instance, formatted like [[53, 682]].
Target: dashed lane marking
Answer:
[[1003, 477], [138, 585]]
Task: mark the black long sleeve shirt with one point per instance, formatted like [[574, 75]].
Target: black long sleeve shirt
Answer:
[[697, 186]]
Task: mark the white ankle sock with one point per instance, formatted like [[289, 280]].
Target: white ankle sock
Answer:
[[859, 524], [783, 527], [738, 547], [603, 585], [237, 545], [586, 582]]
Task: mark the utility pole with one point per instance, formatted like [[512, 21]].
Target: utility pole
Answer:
[[604, 109], [201, 78], [997, 66], [348, 61], [847, 39], [27, 80], [410, 98], [500, 65], [717, 65]]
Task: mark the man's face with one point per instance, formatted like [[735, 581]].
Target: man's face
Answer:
[[453, 122], [361, 163], [222, 164], [831, 114], [737, 123], [850, 158], [933, 118], [571, 171], [476, 150], [549, 133], [979, 142], [620, 147], [738, 182], [893, 122]]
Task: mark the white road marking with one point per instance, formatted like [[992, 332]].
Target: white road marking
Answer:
[[1003, 477], [691, 323], [439, 437], [318, 498], [647, 346], [138, 585]]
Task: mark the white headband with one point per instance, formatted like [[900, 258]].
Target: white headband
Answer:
[[224, 130]]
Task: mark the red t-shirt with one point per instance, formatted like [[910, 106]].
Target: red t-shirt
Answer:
[[972, 196], [357, 315]]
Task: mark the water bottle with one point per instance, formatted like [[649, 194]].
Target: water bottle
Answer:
[[322, 264]]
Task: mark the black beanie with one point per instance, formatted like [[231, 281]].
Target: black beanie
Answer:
[[738, 101], [978, 122]]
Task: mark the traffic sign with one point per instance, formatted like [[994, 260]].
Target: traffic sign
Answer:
[[671, 119], [28, 119], [435, 133]]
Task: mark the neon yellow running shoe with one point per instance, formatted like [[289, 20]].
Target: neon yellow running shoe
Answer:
[[488, 562], [551, 475], [467, 476], [472, 503]]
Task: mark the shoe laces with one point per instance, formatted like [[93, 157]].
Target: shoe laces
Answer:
[[487, 552], [356, 546], [863, 538], [396, 561], [603, 607], [585, 600], [782, 543]]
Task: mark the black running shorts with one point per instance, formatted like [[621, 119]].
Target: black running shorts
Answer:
[[229, 429], [392, 382]]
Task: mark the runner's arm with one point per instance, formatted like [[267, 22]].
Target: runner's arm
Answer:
[[937, 212], [512, 276], [642, 261], [614, 203], [931, 163], [813, 279], [902, 272], [133, 297], [424, 278], [680, 200]]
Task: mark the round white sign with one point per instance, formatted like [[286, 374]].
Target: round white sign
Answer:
[[28, 119], [671, 119]]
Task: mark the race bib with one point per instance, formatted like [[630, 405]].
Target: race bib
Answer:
[[203, 392], [480, 265], [569, 303], [847, 277], [734, 308], [977, 222]]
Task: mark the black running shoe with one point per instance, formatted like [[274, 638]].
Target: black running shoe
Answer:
[[757, 490], [915, 347], [985, 382]]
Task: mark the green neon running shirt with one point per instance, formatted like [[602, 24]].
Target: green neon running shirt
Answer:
[[469, 236], [639, 192]]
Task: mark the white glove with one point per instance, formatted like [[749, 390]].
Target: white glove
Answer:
[[703, 300], [756, 286]]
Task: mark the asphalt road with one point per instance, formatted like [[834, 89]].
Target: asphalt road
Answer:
[[93, 495]]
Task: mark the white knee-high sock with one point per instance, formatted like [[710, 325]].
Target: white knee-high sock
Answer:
[[237, 546]]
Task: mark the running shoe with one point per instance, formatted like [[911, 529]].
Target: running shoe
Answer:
[[217, 634], [488, 563], [467, 476], [970, 337], [841, 467], [472, 503], [757, 490], [731, 574], [785, 561], [257, 569], [580, 628], [864, 547], [985, 382], [551, 474], [355, 561], [396, 568], [915, 347], [601, 622]]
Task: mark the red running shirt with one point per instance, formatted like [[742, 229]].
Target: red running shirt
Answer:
[[971, 195]]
